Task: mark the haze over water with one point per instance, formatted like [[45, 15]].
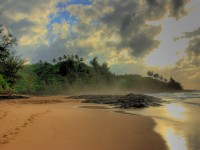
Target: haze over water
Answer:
[[177, 121]]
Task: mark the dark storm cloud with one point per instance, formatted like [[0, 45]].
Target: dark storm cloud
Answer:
[[9, 9], [127, 20], [123, 16], [189, 66], [191, 34], [27, 18], [192, 59], [177, 8], [194, 46], [130, 18], [22, 6], [155, 9], [194, 42], [22, 26]]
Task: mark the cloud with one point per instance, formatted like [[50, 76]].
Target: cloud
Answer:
[[188, 66], [189, 76], [192, 33], [116, 31], [194, 46], [177, 8], [129, 21], [28, 19], [57, 49], [193, 49], [61, 30], [124, 24], [122, 33], [107, 25]]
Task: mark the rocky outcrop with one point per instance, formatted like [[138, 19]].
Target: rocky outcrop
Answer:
[[6, 97], [122, 101]]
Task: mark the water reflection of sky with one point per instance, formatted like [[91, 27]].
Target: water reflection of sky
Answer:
[[174, 140], [176, 111], [170, 123], [173, 133], [178, 122]]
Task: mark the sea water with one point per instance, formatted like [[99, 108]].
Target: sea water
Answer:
[[178, 120]]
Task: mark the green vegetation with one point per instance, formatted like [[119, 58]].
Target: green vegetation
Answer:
[[9, 62], [64, 75], [4, 86], [171, 84], [69, 75]]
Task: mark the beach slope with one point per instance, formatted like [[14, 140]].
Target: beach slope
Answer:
[[56, 123]]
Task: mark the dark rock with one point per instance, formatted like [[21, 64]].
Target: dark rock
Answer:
[[122, 101], [6, 97]]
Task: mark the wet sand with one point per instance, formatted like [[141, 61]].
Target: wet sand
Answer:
[[178, 123], [57, 123]]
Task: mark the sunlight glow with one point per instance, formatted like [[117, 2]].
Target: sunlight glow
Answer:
[[172, 134], [174, 141], [176, 112]]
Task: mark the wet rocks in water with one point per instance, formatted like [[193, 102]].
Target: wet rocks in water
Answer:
[[122, 101]]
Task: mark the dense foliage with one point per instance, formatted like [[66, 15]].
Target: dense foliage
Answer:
[[69, 74], [9, 62]]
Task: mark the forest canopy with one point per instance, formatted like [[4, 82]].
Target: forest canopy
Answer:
[[70, 75]]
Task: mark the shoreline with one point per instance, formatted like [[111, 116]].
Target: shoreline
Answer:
[[51, 126]]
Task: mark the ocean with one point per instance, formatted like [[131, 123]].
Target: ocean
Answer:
[[178, 120]]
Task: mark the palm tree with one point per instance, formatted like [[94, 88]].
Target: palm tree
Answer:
[[161, 78], [54, 60], [81, 59], [72, 57], [150, 73], [65, 57], [40, 62], [68, 56], [77, 57], [156, 76], [60, 58]]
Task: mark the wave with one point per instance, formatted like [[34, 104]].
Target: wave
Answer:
[[178, 96], [193, 103]]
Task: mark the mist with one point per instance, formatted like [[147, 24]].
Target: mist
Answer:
[[70, 75]]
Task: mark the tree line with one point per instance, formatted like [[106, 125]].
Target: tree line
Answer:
[[69, 74], [67, 57], [66, 75], [156, 76], [172, 83]]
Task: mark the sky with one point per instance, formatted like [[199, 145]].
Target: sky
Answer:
[[132, 36]]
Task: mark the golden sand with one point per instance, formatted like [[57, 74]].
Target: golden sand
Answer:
[[56, 123]]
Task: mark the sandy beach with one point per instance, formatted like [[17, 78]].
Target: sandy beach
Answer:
[[57, 123]]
